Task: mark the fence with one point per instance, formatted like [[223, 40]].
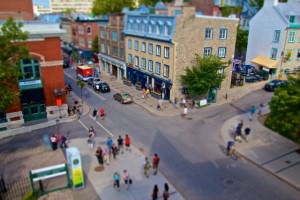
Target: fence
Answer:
[[14, 190]]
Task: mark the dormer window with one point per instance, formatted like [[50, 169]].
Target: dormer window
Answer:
[[166, 30], [292, 19], [157, 29]]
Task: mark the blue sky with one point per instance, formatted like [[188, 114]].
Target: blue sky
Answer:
[[44, 3]]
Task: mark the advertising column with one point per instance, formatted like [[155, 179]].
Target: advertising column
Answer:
[[75, 167]]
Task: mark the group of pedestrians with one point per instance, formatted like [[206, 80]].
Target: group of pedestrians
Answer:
[[117, 180], [57, 139], [154, 166], [165, 194]]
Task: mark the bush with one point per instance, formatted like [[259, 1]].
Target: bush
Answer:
[[30, 196]]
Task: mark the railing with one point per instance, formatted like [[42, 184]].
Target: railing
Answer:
[[16, 189]]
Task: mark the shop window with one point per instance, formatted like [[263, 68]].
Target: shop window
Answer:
[[30, 69]]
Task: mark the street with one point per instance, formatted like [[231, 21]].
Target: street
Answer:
[[190, 150]]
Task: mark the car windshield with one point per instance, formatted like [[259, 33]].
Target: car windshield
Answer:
[[97, 80]]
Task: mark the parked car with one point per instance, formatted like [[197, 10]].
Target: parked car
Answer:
[[123, 97], [93, 81], [84, 78], [102, 87], [272, 85]]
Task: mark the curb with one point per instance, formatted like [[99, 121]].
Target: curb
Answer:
[[224, 132]]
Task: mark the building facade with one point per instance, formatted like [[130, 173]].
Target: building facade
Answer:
[[21, 10], [159, 48], [275, 47], [83, 6], [41, 84], [111, 47]]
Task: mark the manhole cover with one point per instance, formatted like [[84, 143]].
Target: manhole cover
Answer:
[[228, 182], [288, 162], [99, 168]]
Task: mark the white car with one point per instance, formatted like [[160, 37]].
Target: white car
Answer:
[[84, 78]]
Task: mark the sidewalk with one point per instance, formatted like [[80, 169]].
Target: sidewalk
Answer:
[[266, 149], [51, 122], [141, 187]]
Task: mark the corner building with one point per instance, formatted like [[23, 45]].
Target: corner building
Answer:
[[159, 48]]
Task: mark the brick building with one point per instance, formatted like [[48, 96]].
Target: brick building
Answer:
[[158, 48], [111, 47], [41, 84], [21, 9]]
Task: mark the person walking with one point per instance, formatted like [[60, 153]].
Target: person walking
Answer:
[[185, 111], [247, 133], [147, 167], [63, 141], [109, 143], [229, 147], [106, 156], [114, 150], [120, 144], [95, 114], [127, 142], [155, 192], [53, 140], [116, 178], [166, 193], [101, 113], [99, 155], [91, 139], [155, 163], [252, 111], [126, 178]]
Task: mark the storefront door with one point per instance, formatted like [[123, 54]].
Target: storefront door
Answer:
[[33, 112]]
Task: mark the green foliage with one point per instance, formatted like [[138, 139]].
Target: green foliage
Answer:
[[95, 45], [69, 11], [151, 2], [81, 85], [285, 110], [30, 196], [227, 10], [102, 7], [204, 75], [12, 50], [241, 42]]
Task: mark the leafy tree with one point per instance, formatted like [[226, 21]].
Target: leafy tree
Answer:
[[102, 7], [12, 50], [285, 113], [69, 11], [95, 45], [241, 42], [81, 85], [151, 2], [228, 10], [203, 76], [259, 3]]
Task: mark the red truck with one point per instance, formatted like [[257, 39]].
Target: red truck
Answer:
[[84, 72]]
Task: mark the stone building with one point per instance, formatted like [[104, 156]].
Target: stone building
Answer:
[[159, 48], [111, 47]]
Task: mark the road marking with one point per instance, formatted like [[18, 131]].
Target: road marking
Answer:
[[109, 133], [82, 124], [215, 164], [87, 87]]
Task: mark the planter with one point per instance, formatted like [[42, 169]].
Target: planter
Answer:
[[127, 82]]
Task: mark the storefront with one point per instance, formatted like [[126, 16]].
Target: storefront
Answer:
[[266, 66], [112, 67]]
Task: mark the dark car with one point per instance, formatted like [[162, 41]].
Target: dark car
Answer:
[[251, 79], [93, 81], [123, 97], [102, 87], [272, 85]]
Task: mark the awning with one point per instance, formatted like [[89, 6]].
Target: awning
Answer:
[[265, 62]]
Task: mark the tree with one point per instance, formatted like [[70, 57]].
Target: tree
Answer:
[[12, 50], [102, 7], [203, 76], [241, 42], [81, 85], [151, 2], [284, 117], [69, 11], [95, 45]]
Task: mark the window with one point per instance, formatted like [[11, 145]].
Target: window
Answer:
[[157, 29], [150, 28], [90, 43], [129, 44], [208, 33], [136, 45], [129, 58], [166, 52], [114, 51], [114, 36], [30, 69], [157, 50], [143, 64], [276, 36], [103, 34], [274, 53], [143, 46], [222, 52], [292, 36], [166, 71], [136, 61], [89, 30], [81, 30], [223, 34], [150, 48], [102, 48], [292, 19], [122, 52], [150, 65], [157, 68], [166, 30], [207, 51]]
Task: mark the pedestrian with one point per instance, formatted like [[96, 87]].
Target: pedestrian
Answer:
[[91, 139], [101, 113], [260, 108], [183, 102], [95, 114], [147, 167], [120, 144], [116, 178], [53, 140], [155, 192], [147, 93], [126, 178], [109, 143], [247, 133], [114, 150], [185, 111], [252, 111], [229, 148], [99, 155], [158, 107], [63, 141], [166, 193], [127, 142], [175, 102], [106, 156], [238, 133], [155, 163]]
